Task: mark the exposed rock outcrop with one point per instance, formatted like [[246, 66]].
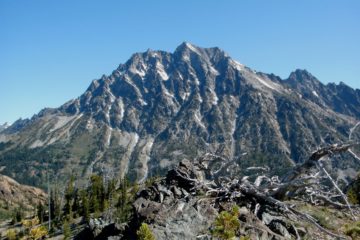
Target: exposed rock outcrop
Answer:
[[185, 203]]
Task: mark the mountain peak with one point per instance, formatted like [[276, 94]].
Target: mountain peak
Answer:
[[186, 48], [187, 51], [302, 75], [186, 45], [199, 97]]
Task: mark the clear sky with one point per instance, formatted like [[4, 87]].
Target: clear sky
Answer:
[[51, 50]]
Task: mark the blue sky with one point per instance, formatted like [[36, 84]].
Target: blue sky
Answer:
[[51, 50]]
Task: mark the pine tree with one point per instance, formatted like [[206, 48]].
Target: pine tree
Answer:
[[85, 208], [40, 212], [124, 202], [226, 224], [353, 191], [123, 198], [17, 215], [69, 197], [55, 208], [110, 190], [75, 206], [97, 199], [66, 230], [144, 233]]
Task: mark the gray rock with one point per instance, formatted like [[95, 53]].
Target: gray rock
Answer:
[[176, 191], [97, 225]]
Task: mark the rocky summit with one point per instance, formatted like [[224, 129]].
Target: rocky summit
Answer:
[[159, 108]]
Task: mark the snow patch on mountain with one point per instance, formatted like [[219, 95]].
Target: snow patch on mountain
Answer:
[[121, 108], [161, 71], [315, 93], [185, 58], [214, 98], [197, 117], [139, 69], [213, 71], [185, 95], [167, 93], [137, 91], [112, 99], [142, 102], [238, 66], [107, 113], [192, 48], [153, 54], [193, 75], [90, 124], [262, 81], [129, 81]]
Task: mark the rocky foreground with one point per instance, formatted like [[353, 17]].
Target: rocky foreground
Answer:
[[185, 204]]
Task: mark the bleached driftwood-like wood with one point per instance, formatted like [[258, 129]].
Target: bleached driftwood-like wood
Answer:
[[304, 180]]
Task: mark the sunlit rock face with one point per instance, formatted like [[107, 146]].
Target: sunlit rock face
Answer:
[[159, 108]]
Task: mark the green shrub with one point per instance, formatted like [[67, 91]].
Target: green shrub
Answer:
[[352, 196], [353, 230], [66, 230], [226, 224], [151, 180], [11, 234], [144, 233], [353, 191], [38, 232]]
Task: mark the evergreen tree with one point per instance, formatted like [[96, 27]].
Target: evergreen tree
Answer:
[[97, 197], [69, 197], [66, 230], [85, 208], [110, 190], [17, 215], [75, 206], [124, 202], [353, 191], [55, 206], [226, 224], [40, 212], [144, 233], [123, 198]]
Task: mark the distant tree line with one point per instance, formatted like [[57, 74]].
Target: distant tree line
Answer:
[[81, 202]]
